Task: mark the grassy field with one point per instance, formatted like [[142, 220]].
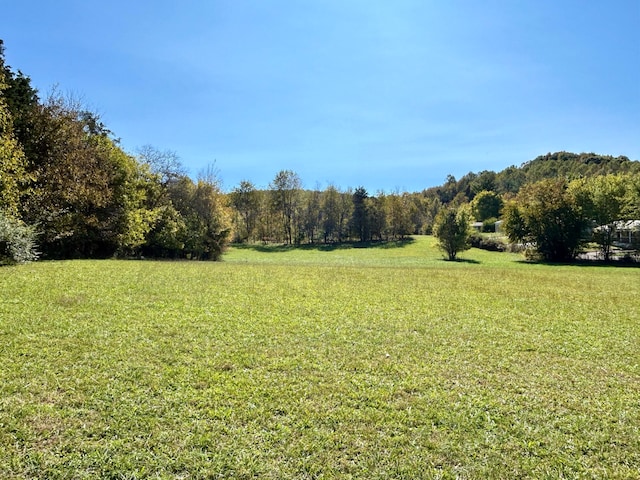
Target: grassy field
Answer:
[[384, 362]]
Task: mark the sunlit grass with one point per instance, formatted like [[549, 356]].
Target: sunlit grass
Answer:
[[304, 363]]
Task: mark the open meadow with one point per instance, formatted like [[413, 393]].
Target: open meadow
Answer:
[[380, 362]]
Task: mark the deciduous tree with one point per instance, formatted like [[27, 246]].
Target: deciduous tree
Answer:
[[602, 200], [285, 194], [486, 204], [211, 218], [452, 229], [546, 216], [331, 214], [312, 214], [14, 177], [80, 182], [399, 215], [245, 199]]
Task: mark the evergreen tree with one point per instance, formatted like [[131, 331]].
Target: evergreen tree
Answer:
[[360, 217]]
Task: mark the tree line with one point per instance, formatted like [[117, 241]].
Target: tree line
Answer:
[[555, 218], [287, 213], [68, 190], [552, 219]]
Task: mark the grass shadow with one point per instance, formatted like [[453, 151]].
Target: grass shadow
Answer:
[[463, 260], [322, 247], [583, 263]]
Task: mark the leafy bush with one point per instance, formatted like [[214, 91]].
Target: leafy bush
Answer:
[[17, 241], [485, 243]]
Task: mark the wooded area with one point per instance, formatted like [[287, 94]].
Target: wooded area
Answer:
[[68, 190]]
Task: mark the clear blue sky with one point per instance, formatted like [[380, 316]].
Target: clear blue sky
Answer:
[[385, 94]]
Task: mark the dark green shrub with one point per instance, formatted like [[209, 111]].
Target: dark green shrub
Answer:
[[485, 243], [475, 239]]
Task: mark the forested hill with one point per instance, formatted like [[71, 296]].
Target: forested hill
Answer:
[[573, 165], [567, 165]]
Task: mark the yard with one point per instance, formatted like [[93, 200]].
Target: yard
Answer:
[[380, 362]]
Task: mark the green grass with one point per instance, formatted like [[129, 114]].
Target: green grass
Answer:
[[384, 362]]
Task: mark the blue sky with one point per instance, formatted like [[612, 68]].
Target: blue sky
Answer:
[[384, 94]]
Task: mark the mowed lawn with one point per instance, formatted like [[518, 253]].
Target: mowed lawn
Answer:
[[384, 362]]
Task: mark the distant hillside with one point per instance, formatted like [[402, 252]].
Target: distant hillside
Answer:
[[573, 165], [552, 165]]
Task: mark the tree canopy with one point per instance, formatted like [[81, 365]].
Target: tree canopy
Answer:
[[546, 215], [63, 174]]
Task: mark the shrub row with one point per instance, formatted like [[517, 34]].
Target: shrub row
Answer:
[[486, 243]]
